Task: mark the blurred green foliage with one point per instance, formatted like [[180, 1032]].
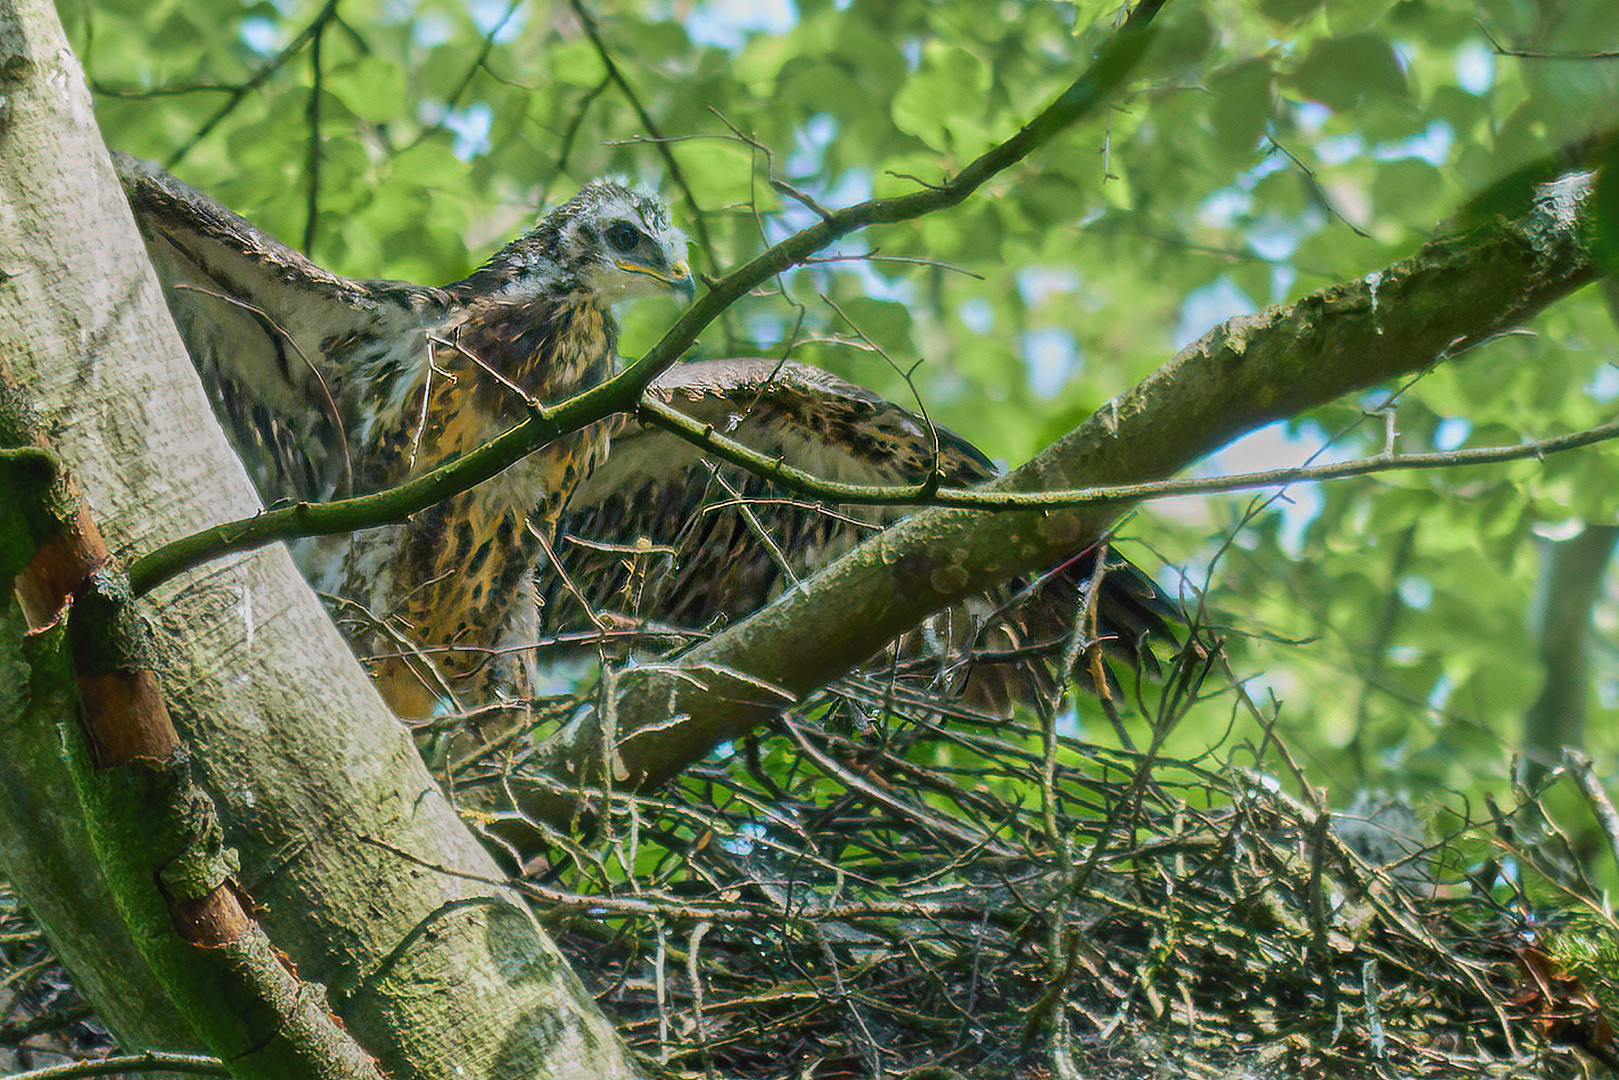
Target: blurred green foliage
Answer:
[[1263, 150]]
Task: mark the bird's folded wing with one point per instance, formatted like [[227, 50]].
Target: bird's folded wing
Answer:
[[278, 339], [808, 418], [718, 541]]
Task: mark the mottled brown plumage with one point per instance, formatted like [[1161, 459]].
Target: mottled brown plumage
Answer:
[[331, 386], [656, 536], [456, 577]]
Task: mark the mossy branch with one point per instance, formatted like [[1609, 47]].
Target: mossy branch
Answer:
[[778, 472]]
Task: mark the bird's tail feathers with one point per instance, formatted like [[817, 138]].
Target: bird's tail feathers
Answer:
[[1043, 626]]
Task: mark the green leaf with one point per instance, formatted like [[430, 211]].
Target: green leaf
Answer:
[[1409, 190], [575, 62], [1287, 12], [1342, 72], [1244, 97], [1605, 210], [942, 102], [371, 87]]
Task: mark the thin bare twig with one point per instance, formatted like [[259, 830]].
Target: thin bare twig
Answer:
[[239, 92], [147, 1061], [329, 403], [1104, 75], [1543, 54], [1579, 766], [1319, 192], [676, 174], [703, 435], [312, 162]]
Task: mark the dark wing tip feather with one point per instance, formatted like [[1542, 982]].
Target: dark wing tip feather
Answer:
[[1135, 617]]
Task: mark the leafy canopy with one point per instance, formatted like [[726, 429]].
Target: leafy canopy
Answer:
[[1268, 148]]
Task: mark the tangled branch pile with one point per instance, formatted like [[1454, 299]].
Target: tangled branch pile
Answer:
[[888, 885]]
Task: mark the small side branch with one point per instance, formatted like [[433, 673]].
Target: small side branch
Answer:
[[241, 90], [312, 164], [149, 1061], [702, 435], [1579, 766], [1544, 54], [677, 176]]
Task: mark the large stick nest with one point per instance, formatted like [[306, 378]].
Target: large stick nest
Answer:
[[888, 884]]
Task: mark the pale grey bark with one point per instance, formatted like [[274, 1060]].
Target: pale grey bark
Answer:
[[436, 974], [1571, 583]]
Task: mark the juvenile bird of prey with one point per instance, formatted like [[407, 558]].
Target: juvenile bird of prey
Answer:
[[330, 386]]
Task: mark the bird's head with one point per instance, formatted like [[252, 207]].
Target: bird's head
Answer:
[[610, 240]]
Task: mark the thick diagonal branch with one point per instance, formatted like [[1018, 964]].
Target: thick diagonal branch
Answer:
[[1452, 294]]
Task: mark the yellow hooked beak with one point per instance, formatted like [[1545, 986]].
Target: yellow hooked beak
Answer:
[[678, 278]]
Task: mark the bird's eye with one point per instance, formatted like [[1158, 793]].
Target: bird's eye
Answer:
[[623, 236]]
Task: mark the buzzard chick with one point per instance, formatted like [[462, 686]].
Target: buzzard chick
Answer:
[[331, 386]]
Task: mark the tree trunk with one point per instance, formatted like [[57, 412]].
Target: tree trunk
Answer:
[[1571, 584], [363, 872]]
